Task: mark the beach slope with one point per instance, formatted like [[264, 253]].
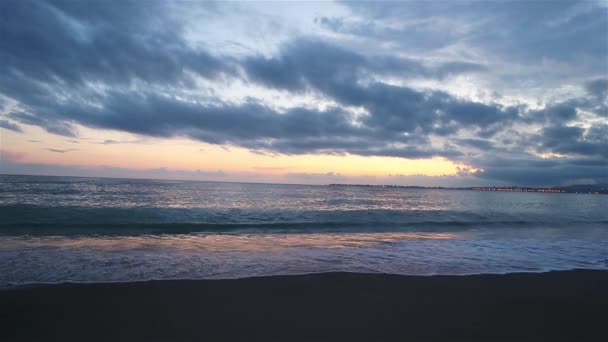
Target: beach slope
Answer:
[[568, 305]]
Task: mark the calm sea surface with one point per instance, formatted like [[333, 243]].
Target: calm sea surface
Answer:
[[56, 229]]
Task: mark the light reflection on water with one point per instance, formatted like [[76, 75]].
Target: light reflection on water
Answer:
[[219, 242], [200, 256]]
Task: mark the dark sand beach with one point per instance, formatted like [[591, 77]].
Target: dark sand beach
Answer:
[[568, 305]]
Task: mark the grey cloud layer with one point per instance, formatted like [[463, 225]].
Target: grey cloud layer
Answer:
[[525, 30], [125, 66]]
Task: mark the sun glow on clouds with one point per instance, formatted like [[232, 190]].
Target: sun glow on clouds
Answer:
[[102, 148]]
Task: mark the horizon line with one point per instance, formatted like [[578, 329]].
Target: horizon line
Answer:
[[301, 184]]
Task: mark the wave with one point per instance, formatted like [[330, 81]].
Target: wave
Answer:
[[186, 228], [38, 220]]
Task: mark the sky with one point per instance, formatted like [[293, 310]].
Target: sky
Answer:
[[434, 93]]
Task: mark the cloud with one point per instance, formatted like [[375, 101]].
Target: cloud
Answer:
[[88, 47], [137, 69], [57, 150], [251, 125], [544, 172], [598, 88], [116, 142], [525, 31], [340, 74], [422, 37], [51, 124], [10, 126], [576, 140], [113, 43], [477, 143]]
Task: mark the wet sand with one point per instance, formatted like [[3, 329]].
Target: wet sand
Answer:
[[567, 306]]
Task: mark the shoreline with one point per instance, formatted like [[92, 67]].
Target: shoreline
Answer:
[[556, 305], [35, 285]]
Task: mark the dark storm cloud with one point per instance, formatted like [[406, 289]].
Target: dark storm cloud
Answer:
[[69, 47], [343, 75], [116, 46], [548, 172], [77, 42], [598, 90], [250, 125], [304, 63], [10, 126], [122, 43], [560, 112], [576, 140]]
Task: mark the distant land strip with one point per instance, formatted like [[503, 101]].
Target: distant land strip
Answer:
[[572, 189]]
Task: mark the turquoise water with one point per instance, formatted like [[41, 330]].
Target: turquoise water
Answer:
[[56, 229]]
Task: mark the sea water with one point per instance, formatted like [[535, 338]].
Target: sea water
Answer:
[[58, 229]]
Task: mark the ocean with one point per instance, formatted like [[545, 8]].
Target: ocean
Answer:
[[70, 229]]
